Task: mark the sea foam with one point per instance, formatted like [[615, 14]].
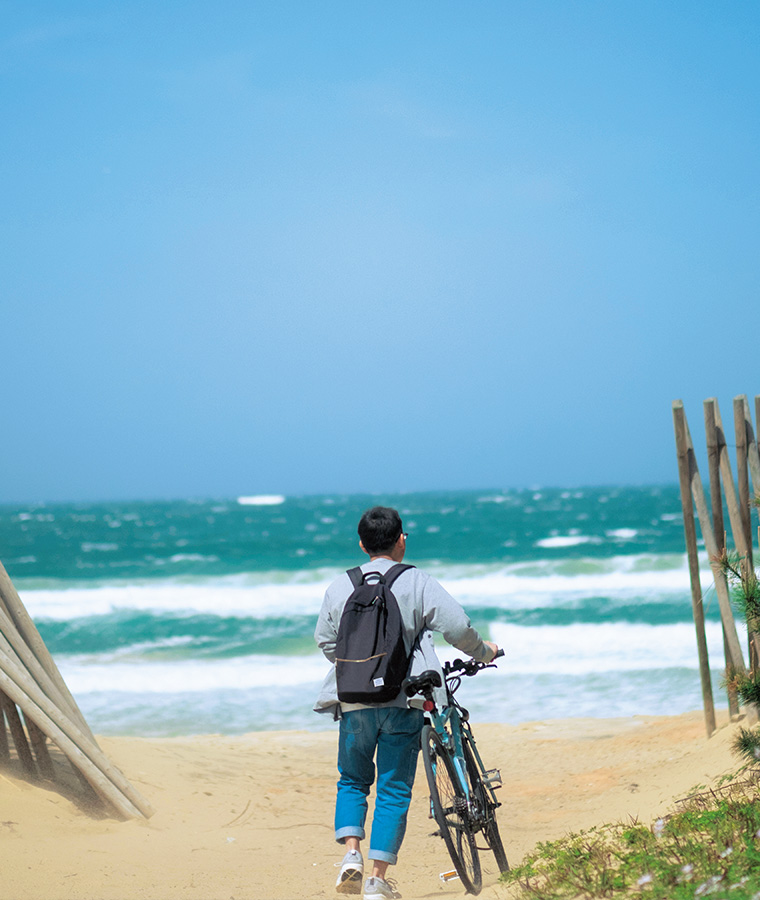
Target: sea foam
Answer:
[[571, 650], [515, 586]]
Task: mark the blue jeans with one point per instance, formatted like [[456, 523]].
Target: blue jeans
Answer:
[[395, 734]]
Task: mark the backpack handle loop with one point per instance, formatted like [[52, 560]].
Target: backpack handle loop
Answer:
[[358, 577]]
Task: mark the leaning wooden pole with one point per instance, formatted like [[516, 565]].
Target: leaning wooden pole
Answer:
[[11, 604], [19, 735], [742, 474], [733, 504], [5, 750], [690, 533], [729, 488], [14, 646], [107, 780], [711, 545], [38, 740], [746, 454], [31, 683], [715, 442], [753, 454]]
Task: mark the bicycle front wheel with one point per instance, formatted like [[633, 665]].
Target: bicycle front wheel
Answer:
[[449, 805]]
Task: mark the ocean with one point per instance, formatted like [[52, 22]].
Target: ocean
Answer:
[[196, 616]]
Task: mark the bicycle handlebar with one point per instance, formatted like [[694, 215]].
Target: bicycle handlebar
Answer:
[[424, 683], [468, 666]]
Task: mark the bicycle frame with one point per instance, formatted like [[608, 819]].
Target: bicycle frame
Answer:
[[452, 739], [453, 728], [462, 802]]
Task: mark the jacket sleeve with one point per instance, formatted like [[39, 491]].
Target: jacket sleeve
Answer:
[[326, 632], [446, 616]]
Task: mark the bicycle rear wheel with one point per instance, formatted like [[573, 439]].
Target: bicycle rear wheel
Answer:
[[450, 810], [487, 808]]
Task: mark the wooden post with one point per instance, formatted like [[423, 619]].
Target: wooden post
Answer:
[[690, 532], [713, 463], [17, 732], [742, 478], [727, 477], [753, 461], [753, 456], [734, 511], [714, 439], [744, 439]]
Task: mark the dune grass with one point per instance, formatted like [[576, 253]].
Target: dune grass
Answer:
[[709, 846]]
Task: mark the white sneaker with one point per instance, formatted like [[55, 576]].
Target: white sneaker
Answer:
[[351, 873], [379, 889]]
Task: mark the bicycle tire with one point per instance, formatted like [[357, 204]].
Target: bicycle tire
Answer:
[[450, 810], [490, 827]]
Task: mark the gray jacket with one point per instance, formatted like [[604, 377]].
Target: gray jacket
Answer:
[[425, 607]]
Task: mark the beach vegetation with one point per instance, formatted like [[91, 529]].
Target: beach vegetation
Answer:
[[709, 846], [745, 596]]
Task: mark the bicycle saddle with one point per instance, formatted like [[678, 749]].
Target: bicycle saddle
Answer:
[[424, 683]]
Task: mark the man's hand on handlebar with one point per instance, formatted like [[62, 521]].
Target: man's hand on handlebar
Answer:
[[493, 648]]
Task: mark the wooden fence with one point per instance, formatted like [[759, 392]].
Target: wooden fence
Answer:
[[36, 705], [736, 498]]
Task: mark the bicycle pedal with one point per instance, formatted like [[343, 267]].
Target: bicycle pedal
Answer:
[[492, 778], [448, 876]]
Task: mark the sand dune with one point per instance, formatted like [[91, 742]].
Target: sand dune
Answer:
[[250, 817]]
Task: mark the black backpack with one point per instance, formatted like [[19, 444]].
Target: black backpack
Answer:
[[370, 658]]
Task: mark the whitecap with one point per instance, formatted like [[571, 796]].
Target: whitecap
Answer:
[[586, 649], [84, 675], [192, 557], [261, 500], [564, 540]]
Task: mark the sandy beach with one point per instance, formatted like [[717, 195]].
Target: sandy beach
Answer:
[[250, 817]]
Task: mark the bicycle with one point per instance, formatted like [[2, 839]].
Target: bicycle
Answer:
[[462, 791]]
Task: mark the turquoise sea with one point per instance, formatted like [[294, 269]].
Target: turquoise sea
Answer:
[[196, 616]]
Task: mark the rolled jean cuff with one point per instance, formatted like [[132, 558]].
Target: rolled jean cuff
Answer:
[[383, 856], [349, 831]]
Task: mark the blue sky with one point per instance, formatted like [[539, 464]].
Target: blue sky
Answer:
[[299, 247]]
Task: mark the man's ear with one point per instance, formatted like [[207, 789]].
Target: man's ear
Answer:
[[364, 548]]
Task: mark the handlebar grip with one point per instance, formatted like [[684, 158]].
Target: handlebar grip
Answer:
[[499, 652]]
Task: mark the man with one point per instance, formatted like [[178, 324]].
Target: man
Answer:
[[390, 730]]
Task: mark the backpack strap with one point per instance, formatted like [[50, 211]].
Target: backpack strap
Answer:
[[356, 575], [392, 574]]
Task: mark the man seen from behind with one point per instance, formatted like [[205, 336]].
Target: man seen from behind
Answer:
[[385, 736]]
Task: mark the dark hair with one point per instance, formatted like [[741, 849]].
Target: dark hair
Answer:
[[379, 529]]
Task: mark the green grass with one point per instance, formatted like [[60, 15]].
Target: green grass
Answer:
[[708, 847]]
